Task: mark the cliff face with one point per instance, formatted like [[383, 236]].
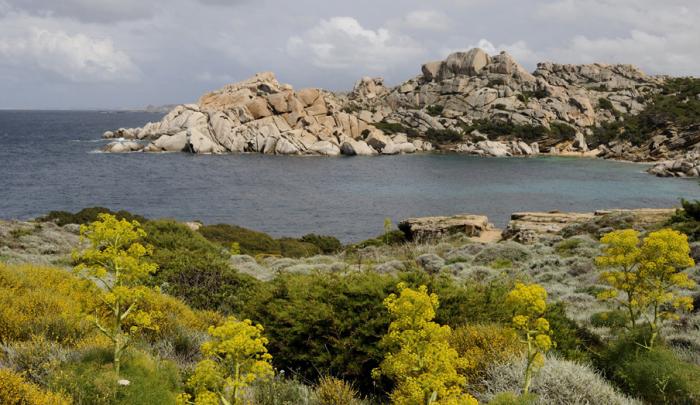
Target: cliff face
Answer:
[[453, 104]]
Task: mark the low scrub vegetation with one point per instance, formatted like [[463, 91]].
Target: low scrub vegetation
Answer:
[[676, 105], [497, 128], [156, 312]]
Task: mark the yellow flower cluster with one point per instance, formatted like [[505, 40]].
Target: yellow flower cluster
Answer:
[[236, 356], [645, 276], [529, 303], [420, 358], [15, 390]]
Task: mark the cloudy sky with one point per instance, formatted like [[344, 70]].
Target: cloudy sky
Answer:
[[130, 53]]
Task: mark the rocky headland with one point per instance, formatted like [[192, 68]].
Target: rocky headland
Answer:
[[471, 103]]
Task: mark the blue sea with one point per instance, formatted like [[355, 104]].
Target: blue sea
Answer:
[[49, 161]]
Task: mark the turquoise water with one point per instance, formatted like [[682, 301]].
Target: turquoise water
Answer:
[[47, 162]]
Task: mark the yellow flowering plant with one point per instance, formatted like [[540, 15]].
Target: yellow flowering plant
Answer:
[[235, 357], [529, 303], [115, 260], [420, 359], [645, 276]]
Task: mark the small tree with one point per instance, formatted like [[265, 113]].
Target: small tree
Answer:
[[645, 276], [235, 357], [529, 303], [115, 259], [420, 359]]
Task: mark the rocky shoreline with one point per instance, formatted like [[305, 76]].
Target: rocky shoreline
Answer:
[[471, 103]]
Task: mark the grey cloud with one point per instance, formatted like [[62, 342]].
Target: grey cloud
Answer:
[[117, 53]]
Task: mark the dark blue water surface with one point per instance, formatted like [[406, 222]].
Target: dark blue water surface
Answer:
[[47, 162]]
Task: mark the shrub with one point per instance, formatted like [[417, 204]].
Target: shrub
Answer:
[[43, 301], [391, 128], [279, 391], [205, 282], [90, 379], [15, 390], [483, 345], [320, 323], [561, 131], [327, 244], [333, 391], [496, 128], [251, 242], [434, 110], [34, 359], [443, 136], [558, 382], [87, 215], [615, 320], [605, 104], [290, 247], [512, 251], [658, 377]]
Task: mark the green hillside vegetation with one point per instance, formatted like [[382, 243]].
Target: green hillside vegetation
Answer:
[[676, 105]]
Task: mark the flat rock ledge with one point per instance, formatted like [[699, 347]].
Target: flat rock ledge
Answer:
[[429, 228], [530, 227]]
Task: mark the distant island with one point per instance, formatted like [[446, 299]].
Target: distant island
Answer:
[[471, 103]]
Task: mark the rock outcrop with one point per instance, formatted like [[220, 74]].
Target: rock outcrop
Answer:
[[530, 227], [429, 228], [551, 110], [261, 115]]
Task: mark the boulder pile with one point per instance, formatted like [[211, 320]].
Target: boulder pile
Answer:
[[262, 115]]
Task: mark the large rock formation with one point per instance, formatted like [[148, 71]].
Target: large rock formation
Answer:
[[558, 105], [427, 228], [262, 115]]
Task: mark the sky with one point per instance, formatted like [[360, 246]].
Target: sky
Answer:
[[104, 54]]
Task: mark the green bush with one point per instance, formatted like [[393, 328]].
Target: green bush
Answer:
[[615, 320], [251, 242], [278, 391], [659, 377], [290, 247], [327, 244], [391, 128], [573, 342], [321, 324], [87, 215], [434, 110], [194, 269], [656, 376], [91, 380], [443, 136], [605, 104], [495, 128], [687, 219], [204, 281], [395, 237], [255, 243]]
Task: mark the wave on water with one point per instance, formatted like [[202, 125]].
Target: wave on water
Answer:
[[96, 140]]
